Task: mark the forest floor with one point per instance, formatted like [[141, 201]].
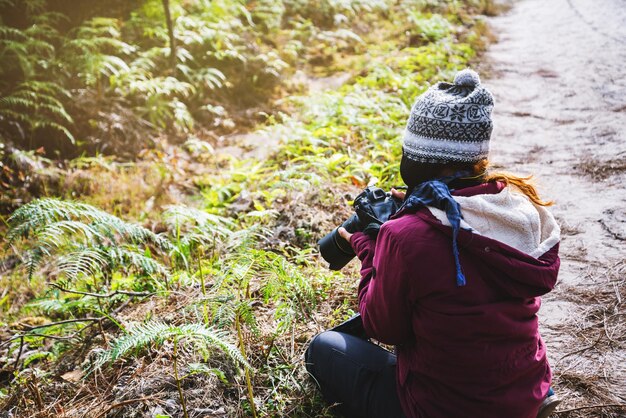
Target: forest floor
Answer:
[[558, 80]]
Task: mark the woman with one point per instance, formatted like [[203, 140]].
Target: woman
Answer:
[[453, 280]]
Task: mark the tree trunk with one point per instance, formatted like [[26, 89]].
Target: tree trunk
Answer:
[[170, 31]]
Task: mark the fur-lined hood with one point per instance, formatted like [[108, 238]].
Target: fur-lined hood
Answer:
[[509, 217], [501, 227]]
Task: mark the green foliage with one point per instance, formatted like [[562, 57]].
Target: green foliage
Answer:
[[94, 51], [231, 52], [327, 13], [193, 336], [196, 227], [33, 106], [83, 240], [269, 13], [430, 28], [29, 103], [276, 280]]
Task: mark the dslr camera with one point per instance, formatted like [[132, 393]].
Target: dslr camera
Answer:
[[373, 207]]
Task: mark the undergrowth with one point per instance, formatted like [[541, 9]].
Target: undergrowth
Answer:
[[207, 308]]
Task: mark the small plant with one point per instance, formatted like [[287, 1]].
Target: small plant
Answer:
[[430, 28], [35, 106], [83, 241], [192, 337]]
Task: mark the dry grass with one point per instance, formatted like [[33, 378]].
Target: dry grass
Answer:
[[591, 370], [602, 169]]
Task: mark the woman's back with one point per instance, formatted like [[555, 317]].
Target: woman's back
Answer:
[[470, 350]]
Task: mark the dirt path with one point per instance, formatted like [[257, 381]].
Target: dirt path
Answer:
[[559, 79]]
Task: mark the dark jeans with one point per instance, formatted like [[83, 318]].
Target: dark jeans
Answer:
[[354, 373]]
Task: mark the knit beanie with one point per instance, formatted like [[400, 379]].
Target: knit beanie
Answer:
[[450, 122]]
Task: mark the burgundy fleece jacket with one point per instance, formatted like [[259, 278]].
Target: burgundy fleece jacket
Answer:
[[469, 351]]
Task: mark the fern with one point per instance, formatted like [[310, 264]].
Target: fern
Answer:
[[29, 50], [65, 306], [84, 261], [269, 13], [209, 224], [153, 333], [129, 257], [39, 214], [85, 240], [95, 49], [35, 105]]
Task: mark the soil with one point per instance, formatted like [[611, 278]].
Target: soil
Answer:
[[560, 90]]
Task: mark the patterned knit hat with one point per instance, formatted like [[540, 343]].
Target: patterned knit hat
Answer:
[[450, 122]]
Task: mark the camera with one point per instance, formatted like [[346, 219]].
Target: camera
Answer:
[[373, 207]]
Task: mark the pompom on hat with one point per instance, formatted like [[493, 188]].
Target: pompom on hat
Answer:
[[450, 122]]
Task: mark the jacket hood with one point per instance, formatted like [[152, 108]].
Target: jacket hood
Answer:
[[509, 232]]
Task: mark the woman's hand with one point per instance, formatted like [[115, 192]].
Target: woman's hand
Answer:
[[344, 234], [397, 194]]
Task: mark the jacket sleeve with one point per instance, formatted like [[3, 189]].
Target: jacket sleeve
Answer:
[[383, 291]]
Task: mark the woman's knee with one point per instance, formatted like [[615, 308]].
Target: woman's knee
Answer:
[[321, 348]]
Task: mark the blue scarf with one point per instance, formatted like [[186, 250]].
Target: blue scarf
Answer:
[[437, 194]]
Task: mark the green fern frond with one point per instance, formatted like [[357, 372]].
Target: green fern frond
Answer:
[[139, 337], [212, 78], [245, 313], [35, 6], [247, 237], [125, 256], [61, 306], [201, 334], [40, 48], [63, 233], [35, 105], [33, 216], [88, 239], [183, 216], [224, 311], [57, 111], [82, 262], [48, 19], [49, 306], [32, 259], [11, 34], [17, 102], [181, 115], [16, 116], [154, 333], [56, 127], [167, 86], [44, 87], [36, 215]]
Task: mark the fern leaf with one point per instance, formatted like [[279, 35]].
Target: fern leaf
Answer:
[[34, 216], [17, 102], [139, 337], [200, 333], [128, 257], [41, 124], [154, 333], [83, 262]]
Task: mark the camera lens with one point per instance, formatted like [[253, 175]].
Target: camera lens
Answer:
[[336, 250]]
